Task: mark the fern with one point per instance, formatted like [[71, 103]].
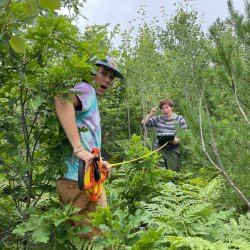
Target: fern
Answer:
[[182, 213], [185, 213], [233, 229], [196, 243], [192, 243]]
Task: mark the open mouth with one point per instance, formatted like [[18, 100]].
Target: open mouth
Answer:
[[103, 87]]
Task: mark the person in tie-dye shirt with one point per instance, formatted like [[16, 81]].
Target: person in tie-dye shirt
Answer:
[[82, 113]]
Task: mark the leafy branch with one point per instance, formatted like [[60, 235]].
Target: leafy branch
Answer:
[[218, 166]]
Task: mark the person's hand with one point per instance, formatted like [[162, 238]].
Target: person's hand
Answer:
[[85, 156], [106, 166], [153, 111], [175, 141]]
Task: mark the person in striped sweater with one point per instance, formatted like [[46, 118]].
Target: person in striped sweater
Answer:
[[166, 129]]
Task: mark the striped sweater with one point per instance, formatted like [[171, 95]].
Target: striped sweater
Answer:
[[164, 125]]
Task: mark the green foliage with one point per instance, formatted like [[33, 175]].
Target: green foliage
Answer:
[[198, 243], [30, 7], [33, 146], [52, 5], [180, 212], [149, 240], [53, 228], [212, 69], [226, 102], [17, 44], [140, 177], [43, 54], [183, 215], [120, 228]]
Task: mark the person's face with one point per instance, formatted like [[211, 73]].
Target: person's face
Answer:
[[167, 110], [104, 79]]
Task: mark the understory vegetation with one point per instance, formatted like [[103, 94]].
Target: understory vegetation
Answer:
[[204, 206]]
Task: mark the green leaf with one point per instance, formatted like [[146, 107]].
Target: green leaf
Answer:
[[30, 8], [35, 103], [41, 235], [17, 44], [20, 230], [51, 4]]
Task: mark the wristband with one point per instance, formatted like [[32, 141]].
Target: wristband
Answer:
[[78, 150]]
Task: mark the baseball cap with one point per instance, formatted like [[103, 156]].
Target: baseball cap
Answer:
[[109, 64]]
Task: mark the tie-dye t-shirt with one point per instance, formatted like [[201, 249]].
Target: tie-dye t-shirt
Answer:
[[88, 121]]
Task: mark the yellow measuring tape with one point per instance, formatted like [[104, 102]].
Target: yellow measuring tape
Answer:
[[92, 187], [144, 156]]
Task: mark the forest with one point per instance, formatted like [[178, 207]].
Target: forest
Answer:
[[206, 73]]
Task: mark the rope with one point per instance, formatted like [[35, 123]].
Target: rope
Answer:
[[136, 159]]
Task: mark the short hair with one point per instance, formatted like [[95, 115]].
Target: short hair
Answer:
[[166, 101]]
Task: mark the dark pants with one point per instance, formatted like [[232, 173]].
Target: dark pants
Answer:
[[171, 158]]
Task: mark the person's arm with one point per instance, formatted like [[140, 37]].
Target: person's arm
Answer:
[[147, 117], [66, 114]]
